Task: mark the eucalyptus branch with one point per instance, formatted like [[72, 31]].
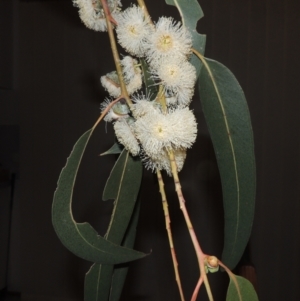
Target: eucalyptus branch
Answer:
[[115, 52], [169, 231], [199, 253]]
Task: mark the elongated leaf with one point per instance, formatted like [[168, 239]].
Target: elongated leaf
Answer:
[[122, 186], [227, 116], [120, 271], [151, 87], [81, 238], [191, 12], [240, 289], [97, 282], [114, 150], [102, 281]]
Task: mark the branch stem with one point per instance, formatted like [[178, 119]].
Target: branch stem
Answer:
[[144, 8], [199, 253], [115, 52], [169, 231], [196, 291]]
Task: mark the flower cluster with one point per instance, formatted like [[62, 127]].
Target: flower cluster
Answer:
[[132, 76], [92, 15], [151, 132], [152, 127], [166, 46]]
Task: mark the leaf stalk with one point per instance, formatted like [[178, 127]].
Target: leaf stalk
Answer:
[[105, 112]]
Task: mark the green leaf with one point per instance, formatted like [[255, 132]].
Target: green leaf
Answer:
[[122, 186], [240, 289], [104, 280], [191, 12], [151, 87], [120, 271], [228, 119], [81, 238], [114, 150], [97, 282]]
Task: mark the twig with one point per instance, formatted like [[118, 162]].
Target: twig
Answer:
[[168, 227], [105, 111], [200, 255], [107, 12], [196, 291], [144, 8], [115, 53]]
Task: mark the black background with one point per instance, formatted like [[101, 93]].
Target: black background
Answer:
[[53, 65]]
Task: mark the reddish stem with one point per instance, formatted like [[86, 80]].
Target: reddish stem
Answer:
[[196, 291], [107, 12]]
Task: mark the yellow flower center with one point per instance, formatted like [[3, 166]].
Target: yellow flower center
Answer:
[[160, 131], [132, 30], [165, 42], [173, 73]]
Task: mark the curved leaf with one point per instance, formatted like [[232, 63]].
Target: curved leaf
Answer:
[[120, 272], [191, 12], [114, 150], [123, 186], [97, 283], [227, 116], [240, 289], [151, 87], [81, 238]]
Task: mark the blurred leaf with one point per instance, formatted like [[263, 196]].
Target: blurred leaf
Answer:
[[114, 150], [228, 119], [122, 186], [81, 238], [191, 12], [120, 271], [240, 289], [151, 87]]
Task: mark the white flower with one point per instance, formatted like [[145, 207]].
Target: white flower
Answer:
[[156, 131], [111, 83], [171, 100], [119, 110], [143, 105], [169, 39], [133, 29], [132, 74], [162, 161], [130, 68], [134, 84], [185, 127], [126, 137], [92, 15], [178, 78]]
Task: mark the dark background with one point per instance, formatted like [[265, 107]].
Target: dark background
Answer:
[[50, 93]]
